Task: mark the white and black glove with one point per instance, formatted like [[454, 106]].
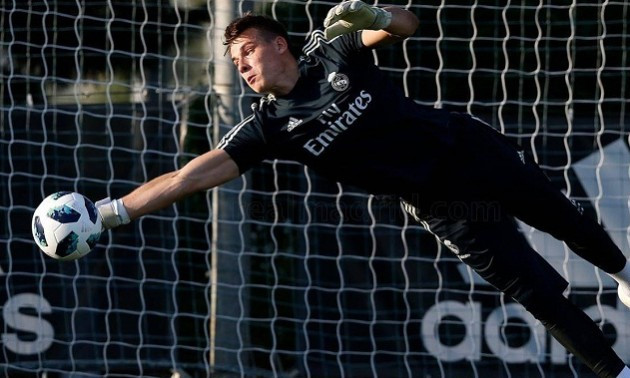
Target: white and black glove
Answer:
[[112, 212], [354, 15]]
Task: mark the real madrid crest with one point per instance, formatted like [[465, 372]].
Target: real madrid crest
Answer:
[[338, 81]]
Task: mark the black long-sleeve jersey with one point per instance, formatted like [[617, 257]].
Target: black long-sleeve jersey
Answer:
[[348, 122]]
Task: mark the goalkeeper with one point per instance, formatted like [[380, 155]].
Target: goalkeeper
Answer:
[[333, 110]]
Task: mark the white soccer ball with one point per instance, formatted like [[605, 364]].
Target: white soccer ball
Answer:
[[66, 226]]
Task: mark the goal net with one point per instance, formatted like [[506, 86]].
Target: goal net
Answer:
[[281, 272]]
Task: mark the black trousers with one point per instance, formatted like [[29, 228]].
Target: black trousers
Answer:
[[472, 213]]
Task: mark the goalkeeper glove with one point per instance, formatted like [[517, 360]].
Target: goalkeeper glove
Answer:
[[354, 15], [112, 212]]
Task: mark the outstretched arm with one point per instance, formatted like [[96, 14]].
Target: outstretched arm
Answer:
[[379, 25], [203, 172]]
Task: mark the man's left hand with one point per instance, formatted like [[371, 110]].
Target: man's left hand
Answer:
[[354, 15]]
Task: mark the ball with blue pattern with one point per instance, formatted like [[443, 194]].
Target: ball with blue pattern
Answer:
[[66, 225]]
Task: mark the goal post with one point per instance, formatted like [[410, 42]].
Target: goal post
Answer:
[[281, 272]]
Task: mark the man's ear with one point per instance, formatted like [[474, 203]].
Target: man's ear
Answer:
[[281, 44]]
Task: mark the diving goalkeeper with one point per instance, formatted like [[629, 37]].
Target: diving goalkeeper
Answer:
[[335, 111]]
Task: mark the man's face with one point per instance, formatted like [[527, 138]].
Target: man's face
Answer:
[[257, 60]]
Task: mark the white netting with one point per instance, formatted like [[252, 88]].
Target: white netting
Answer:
[[313, 278]]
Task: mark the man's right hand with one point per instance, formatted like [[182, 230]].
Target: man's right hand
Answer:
[[112, 212]]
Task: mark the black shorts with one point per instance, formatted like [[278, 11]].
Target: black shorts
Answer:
[[498, 252], [487, 182]]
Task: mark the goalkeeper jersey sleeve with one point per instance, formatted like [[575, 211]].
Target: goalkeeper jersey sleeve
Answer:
[[245, 143]]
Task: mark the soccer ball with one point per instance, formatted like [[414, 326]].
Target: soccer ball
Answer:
[[66, 225]]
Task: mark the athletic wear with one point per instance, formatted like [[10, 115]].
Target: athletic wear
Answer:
[[579, 335], [475, 215], [347, 122], [480, 229], [456, 175]]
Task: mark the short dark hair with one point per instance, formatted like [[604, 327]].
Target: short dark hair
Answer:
[[268, 27]]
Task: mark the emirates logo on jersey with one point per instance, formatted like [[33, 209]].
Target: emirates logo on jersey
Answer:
[[337, 122], [339, 81]]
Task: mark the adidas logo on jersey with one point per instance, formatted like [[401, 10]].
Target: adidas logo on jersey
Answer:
[[293, 123]]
